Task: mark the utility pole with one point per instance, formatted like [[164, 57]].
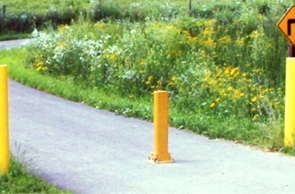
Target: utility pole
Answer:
[[4, 11], [189, 5]]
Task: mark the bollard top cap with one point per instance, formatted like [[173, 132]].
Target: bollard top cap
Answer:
[[161, 91]]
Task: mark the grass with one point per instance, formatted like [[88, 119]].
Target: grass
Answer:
[[14, 36], [229, 127], [25, 15], [223, 65], [19, 180], [218, 68], [69, 90], [15, 6]]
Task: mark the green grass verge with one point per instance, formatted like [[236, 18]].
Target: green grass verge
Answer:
[[14, 36], [68, 90], [18, 180], [213, 126]]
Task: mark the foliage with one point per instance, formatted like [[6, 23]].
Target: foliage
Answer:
[[220, 66], [18, 180], [25, 15]]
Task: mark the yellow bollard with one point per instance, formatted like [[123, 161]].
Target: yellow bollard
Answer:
[[4, 136], [160, 154], [290, 102]]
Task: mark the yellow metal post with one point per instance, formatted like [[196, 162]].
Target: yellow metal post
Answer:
[[290, 102], [4, 136], [160, 153]]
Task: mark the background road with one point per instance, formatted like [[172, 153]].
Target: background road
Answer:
[[89, 150]]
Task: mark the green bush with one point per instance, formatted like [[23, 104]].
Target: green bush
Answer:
[[225, 67], [211, 67]]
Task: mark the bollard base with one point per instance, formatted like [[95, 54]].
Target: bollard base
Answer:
[[155, 161], [162, 158]]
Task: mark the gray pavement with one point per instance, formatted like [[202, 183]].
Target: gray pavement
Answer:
[[9, 44], [89, 150]]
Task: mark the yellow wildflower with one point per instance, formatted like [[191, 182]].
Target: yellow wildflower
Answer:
[[61, 44], [212, 104], [253, 109], [40, 64], [240, 41], [234, 70], [208, 31], [160, 82], [254, 99], [229, 79], [255, 117], [242, 94], [207, 80], [210, 22], [186, 32], [208, 74], [169, 27], [193, 39], [131, 96], [39, 68], [173, 78], [237, 92], [228, 71], [209, 42], [217, 100], [62, 27], [225, 39], [150, 78], [113, 56], [147, 82], [255, 34]]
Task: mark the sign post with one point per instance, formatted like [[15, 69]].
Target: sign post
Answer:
[[287, 26]]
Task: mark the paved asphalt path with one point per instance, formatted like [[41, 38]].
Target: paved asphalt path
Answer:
[[89, 150]]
